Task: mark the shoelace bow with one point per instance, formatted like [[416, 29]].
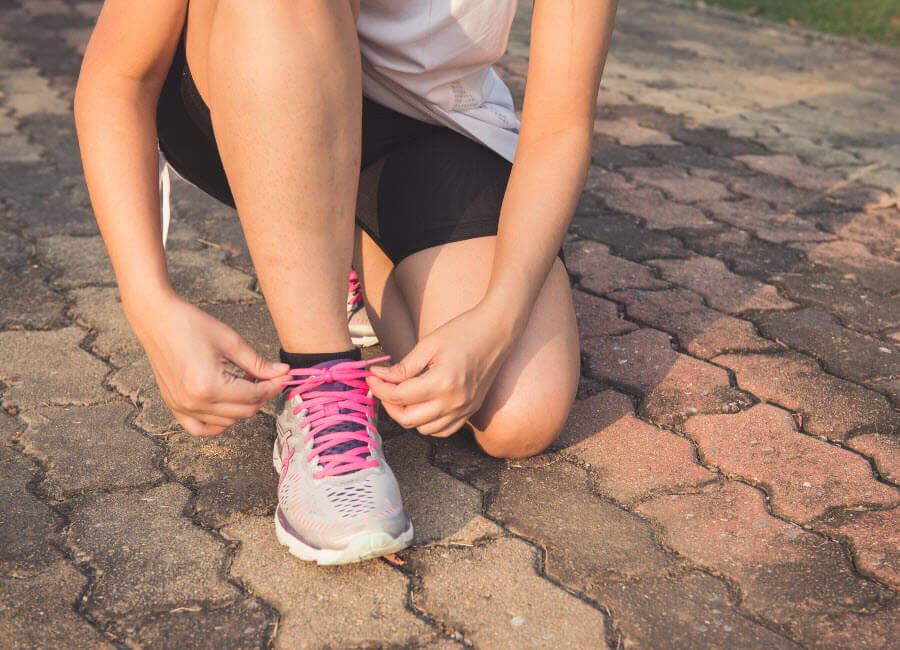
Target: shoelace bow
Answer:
[[354, 289], [323, 410]]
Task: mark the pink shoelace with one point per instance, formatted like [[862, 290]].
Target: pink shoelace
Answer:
[[323, 410], [354, 289]]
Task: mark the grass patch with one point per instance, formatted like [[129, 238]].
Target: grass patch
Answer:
[[873, 21]]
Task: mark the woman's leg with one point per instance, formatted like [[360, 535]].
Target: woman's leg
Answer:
[[283, 85], [530, 399]]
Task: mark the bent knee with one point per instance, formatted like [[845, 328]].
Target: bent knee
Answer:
[[520, 435]]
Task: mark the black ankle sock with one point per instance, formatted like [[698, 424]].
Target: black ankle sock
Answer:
[[307, 360]]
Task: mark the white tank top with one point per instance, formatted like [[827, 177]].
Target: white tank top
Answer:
[[431, 59]]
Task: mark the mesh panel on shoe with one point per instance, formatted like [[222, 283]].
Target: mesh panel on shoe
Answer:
[[353, 500]]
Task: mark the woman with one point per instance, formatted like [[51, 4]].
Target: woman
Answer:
[[375, 134]]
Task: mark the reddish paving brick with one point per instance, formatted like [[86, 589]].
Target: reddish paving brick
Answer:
[[598, 316], [628, 132], [854, 261], [603, 182], [874, 537], [722, 289], [701, 331], [786, 574], [842, 351], [850, 630], [699, 161], [769, 224], [628, 458], [830, 407], [778, 193], [602, 272], [802, 475], [627, 239], [675, 386], [744, 253], [792, 169], [883, 450], [878, 230], [680, 185], [659, 212]]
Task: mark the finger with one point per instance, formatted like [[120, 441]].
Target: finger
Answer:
[[235, 390], [229, 411], [197, 428], [412, 391], [410, 366], [244, 357], [411, 417], [450, 429], [437, 425]]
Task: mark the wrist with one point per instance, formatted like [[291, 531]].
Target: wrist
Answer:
[[504, 316], [146, 304]]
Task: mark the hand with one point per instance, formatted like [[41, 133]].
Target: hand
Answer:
[[189, 350], [445, 378]]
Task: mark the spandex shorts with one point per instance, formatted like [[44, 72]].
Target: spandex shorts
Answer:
[[420, 185]]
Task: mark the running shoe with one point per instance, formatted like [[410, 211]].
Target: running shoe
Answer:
[[361, 332], [338, 500]]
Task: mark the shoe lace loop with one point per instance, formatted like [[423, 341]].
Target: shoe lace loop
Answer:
[[354, 294], [329, 407]]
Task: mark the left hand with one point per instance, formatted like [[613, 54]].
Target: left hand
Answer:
[[445, 378]]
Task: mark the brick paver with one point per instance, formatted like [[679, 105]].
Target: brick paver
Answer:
[[728, 477]]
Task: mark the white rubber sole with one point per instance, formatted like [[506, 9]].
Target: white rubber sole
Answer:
[[362, 547], [364, 341]]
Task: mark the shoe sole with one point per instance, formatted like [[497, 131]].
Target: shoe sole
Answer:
[[364, 341], [361, 547]]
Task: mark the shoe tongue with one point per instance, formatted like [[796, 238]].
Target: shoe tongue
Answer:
[[340, 426]]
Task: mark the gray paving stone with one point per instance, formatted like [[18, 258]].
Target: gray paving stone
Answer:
[[202, 276], [438, 504], [78, 261], [27, 526], [626, 239], [252, 321], [601, 272], [73, 377], [843, 352], [232, 472], [27, 178], [38, 612], [746, 255], [89, 447], [63, 211], [854, 261], [369, 596], [134, 378], [243, 625], [100, 308], [28, 301], [767, 223], [150, 556], [506, 604], [14, 251]]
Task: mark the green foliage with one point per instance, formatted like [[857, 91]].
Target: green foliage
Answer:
[[874, 21]]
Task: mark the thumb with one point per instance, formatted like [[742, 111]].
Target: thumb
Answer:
[[246, 358], [410, 366]]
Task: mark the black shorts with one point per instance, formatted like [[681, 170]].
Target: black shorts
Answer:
[[420, 185]]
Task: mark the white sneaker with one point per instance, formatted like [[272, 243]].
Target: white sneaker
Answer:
[[338, 500], [361, 332]]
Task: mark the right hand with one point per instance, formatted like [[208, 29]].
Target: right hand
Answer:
[[188, 350]]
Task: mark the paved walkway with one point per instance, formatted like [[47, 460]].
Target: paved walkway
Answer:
[[729, 476]]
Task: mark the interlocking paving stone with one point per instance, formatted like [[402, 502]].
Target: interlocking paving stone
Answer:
[[875, 539], [28, 301], [27, 526], [89, 447], [842, 352], [27, 179], [658, 212], [78, 260], [252, 321], [438, 504], [766, 222], [744, 253], [628, 132], [150, 556], [678, 183], [780, 194], [362, 604], [701, 331], [628, 459], [854, 260], [722, 289], [56, 135], [612, 156], [793, 170], [134, 379], [74, 377], [699, 161], [602, 182], [852, 630], [830, 407], [804, 477], [231, 472], [884, 450], [14, 251], [598, 316], [856, 307], [63, 213], [718, 142], [244, 625], [878, 230], [506, 604], [674, 385], [202, 276], [38, 612], [100, 308], [602, 272], [786, 574], [627, 239]]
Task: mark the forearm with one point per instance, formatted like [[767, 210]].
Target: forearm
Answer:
[[543, 190], [116, 125]]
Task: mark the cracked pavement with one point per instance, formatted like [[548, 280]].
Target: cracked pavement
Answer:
[[729, 475]]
